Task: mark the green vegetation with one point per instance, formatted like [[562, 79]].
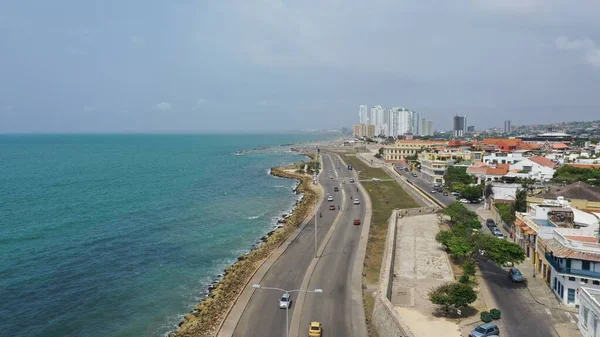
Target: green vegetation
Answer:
[[457, 177], [379, 153], [472, 193], [460, 215], [569, 174], [507, 212], [366, 172], [452, 295]]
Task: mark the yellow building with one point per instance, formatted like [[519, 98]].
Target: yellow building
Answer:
[[434, 164], [364, 130], [404, 148]]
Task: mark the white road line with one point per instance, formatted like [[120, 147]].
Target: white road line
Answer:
[[548, 311], [570, 318]]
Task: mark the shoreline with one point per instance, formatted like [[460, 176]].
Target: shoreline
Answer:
[[207, 316]]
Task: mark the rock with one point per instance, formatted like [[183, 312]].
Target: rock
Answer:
[[241, 258]]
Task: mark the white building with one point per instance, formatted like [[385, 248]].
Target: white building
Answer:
[[363, 118], [404, 121], [506, 158], [426, 128], [376, 118], [392, 122], [415, 119], [589, 312], [538, 168]]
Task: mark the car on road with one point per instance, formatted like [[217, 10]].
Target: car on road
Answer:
[[406, 169], [455, 193], [464, 201], [336, 189], [495, 230], [376, 179], [315, 329], [356, 222], [433, 191], [490, 223], [485, 330], [351, 180], [356, 202], [414, 174], [285, 302], [445, 193], [330, 198], [330, 177], [332, 207], [499, 235], [515, 275]]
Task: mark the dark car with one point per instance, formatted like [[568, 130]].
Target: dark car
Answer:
[[335, 189], [406, 169], [332, 207], [490, 223], [356, 222], [515, 275]]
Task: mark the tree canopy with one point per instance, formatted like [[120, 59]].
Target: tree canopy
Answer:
[[452, 295], [570, 174], [457, 174]]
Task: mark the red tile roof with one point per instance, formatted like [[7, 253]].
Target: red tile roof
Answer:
[[543, 161], [581, 238], [592, 166], [560, 146]]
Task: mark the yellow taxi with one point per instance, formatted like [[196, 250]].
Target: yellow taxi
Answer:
[[315, 329]]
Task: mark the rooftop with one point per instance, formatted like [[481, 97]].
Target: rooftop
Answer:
[[578, 190], [543, 161]]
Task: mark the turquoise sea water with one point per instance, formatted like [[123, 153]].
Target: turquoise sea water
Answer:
[[118, 235]]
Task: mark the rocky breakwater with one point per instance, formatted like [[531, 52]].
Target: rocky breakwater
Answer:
[[207, 316]]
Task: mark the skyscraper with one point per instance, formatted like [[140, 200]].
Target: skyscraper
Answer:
[[362, 115], [392, 122], [426, 128], [404, 121], [507, 127], [459, 127], [415, 122]]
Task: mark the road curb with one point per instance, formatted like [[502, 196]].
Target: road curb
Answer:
[[228, 325]]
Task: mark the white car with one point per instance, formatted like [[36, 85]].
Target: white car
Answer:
[[330, 177], [285, 302], [330, 198], [356, 202], [376, 179], [464, 201]]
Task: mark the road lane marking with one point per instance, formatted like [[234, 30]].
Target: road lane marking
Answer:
[[548, 311], [570, 318]]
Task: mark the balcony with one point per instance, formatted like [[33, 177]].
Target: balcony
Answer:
[[571, 271]]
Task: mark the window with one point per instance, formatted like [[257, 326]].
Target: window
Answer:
[[596, 283], [570, 295], [584, 280], [571, 278], [585, 265]]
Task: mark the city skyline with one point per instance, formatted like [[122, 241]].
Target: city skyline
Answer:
[[392, 122]]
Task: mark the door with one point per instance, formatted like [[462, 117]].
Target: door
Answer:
[[570, 296]]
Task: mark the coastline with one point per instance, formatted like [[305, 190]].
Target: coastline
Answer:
[[207, 316]]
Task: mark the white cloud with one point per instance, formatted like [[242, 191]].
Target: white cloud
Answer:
[[589, 50], [137, 41], [201, 101], [163, 106]]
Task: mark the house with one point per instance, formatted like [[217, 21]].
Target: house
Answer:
[[538, 168], [506, 157], [580, 195], [589, 312], [488, 173], [434, 164], [503, 144]]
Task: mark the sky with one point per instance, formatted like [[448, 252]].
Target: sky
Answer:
[[271, 65]]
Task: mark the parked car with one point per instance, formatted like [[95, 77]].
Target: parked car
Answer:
[[356, 222], [464, 201], [406, 169], [330, 177], [445, 193], [332, 207], [515, 275], [330, 198], [376, 179], [485, 330], [414, 174], [433, 191], [336, 189], [499, 235], [315, 329], [351, 180], [356, 202], [455, 193], [285, 301], [495, 230], [490, 222]]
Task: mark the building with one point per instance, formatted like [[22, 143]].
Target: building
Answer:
[[538, 168], [363, 118], [426, 128], [363, 130], [434, 164], [589, 312], [459, 127], [404, 148], [506, 157], [392, 122], [493, 172], [415, 121], [507, 127], [471, 128], [404, 121], [580, 195], [550, 137]]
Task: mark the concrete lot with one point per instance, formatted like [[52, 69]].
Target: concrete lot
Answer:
[[420, 265]]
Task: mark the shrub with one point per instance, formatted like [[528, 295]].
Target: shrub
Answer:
[[464, 278], [495, 313], [485, 317]]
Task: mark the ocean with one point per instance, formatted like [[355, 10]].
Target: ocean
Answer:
[[119, 235]]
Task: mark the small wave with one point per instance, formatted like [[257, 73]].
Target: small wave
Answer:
[[278, 186], [254, 217]]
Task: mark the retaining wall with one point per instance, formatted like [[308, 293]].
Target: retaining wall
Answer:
[[386, 319]]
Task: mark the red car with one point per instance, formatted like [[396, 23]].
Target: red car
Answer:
[[356, 222], [332, 207]]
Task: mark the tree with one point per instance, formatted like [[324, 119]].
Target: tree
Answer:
[[457, 174], [520, 204], [489, 190], [452, 295], [459, 214], [472, 193], [469, 268], [457, 242], [499, 251], [379, 153]]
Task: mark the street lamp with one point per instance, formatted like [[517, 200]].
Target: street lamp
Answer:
[[287, 330]]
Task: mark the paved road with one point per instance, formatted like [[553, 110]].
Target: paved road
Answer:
[[263, 317], [522, 315]]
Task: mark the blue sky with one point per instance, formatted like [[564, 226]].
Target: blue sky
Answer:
[[184, 65]]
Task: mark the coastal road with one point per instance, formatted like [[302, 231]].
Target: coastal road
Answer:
[[521, 315], [262, 316]]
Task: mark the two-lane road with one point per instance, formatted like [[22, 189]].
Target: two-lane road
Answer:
[[262, 316]]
